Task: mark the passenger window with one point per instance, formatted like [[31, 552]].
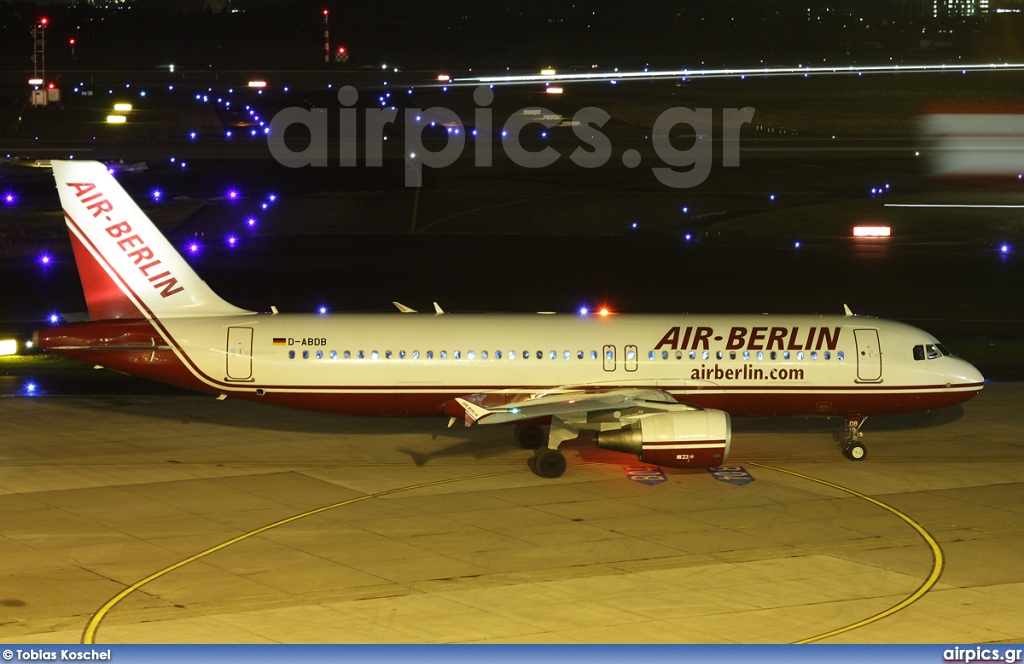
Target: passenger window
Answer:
[[457, 355], [651, 355], [567, 355], [579, 355], [334, 354], [814, 354], [609, 355], [774, 355], [401, 354], [693, 355], [593, 354], [553, 355], [785, 355], [705, 355], [718, 355], [732, 355], [374, 355], [319, 355], [746, 355], [840, 355], [347, 355], [540, 355], [291, 355], [444, 355], [470, 355], [828, 355], [362, 355], [430, 354], [800, 355], [679, 355], [526, 354], [497, 354], [511, 355], [305, 354], [387, 355], [760, 355], [415, 355]]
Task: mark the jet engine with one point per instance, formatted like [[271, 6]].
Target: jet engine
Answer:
[[686, 439]]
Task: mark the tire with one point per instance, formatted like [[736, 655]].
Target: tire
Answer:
[[549, 463], [531, 436], [856, 452]]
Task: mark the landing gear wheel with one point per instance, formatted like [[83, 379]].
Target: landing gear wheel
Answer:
[[549, 463], [855, 451], [530, 436]]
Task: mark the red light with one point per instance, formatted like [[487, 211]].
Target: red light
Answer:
[[44, 21], [72, 41], [51, 86], [341, 49], [325, 12]]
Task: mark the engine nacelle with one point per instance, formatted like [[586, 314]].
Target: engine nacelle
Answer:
[[685, 439]]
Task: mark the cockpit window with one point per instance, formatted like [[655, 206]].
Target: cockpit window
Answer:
[[929, 351]]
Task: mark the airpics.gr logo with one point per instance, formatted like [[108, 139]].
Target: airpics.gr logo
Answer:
[[683, 169]]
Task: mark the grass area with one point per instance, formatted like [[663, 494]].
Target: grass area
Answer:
[[42, 365]]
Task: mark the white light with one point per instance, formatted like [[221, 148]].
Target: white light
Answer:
[[116, 119], [547, 72], [257, 84], [553, 90], [122, 107], [872, 231], [8, 346], [444, 78], [35, 81]]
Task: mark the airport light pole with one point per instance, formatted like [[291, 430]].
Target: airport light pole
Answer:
[[327, 40], [39, 48]]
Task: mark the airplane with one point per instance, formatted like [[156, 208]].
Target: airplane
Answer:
[[660, 387]]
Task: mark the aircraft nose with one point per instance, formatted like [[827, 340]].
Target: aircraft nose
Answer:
[[969, 373]]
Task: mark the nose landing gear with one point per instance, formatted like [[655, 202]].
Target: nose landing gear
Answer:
[[852, 447]]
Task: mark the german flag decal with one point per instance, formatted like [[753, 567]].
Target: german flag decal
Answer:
[[280, 341]]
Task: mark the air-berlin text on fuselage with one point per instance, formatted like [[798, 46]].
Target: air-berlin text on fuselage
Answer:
[[753, 338], [130, 243]]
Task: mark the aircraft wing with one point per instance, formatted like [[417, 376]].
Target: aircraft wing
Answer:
[[565, 403]]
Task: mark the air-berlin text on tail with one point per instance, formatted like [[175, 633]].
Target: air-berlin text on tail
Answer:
[[753, 338], [130, 243]]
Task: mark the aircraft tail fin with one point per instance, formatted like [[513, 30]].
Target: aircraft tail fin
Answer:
[[128, 268]]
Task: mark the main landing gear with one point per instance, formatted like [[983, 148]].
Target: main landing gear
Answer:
[[548, 461], [852, 447]]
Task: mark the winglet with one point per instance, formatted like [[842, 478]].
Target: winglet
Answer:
[[404, 309], [473, 411], [846, 310], [438, 309]]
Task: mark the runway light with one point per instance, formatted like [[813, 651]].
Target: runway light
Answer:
[[872, 231], [796, 244], [322, 310], [251, 221], [30, 388], [8, 346], [257, 84], [193, 248], [272, 197], [686, 210], [54, 318], [232, 240], [554, 90], [45, 260], [1004, 249], [772, 197], [9, 198], [634, 224], [122, 107], [116, 119], [687, 237], [444, 78], [192, 135], [547, 72], [232, 194], [157, 194], [583, 311]]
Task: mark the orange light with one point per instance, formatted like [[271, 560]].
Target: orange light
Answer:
[[603, 312], [872, 231]]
